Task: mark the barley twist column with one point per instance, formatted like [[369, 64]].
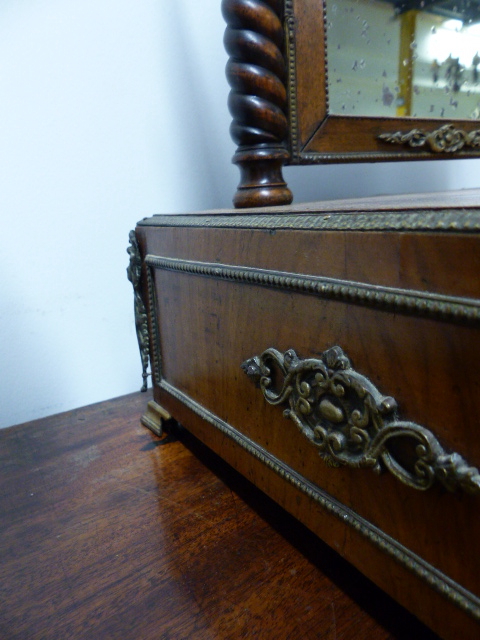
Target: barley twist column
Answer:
[[256, 72]]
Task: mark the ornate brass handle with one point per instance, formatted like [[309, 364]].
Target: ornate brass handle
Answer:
[[352, 424]]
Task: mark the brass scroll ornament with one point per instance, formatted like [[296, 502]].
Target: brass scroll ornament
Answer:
[[134, 274], [352, 424], [446, 139]]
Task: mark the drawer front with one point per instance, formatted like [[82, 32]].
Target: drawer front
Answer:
[[351, 385]]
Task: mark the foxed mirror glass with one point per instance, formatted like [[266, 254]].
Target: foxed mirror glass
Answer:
[[388, 59], [383, 80]]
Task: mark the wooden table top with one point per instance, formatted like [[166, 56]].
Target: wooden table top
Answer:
[[110, 532]]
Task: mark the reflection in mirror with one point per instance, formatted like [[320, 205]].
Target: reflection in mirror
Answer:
[[395, 59]]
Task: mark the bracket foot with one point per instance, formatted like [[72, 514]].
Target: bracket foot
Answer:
[[154, 417]]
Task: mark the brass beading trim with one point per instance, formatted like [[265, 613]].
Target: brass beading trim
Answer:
[[387, 298], [155, 354], [292, 84]]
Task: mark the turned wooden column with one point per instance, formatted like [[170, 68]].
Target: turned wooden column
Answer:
[[256, 72]]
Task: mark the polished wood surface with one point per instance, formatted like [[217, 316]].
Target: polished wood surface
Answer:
[[108, 531]]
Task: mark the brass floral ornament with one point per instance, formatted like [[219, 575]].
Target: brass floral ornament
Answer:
[[352, 424], [134, 274], [446, 139]]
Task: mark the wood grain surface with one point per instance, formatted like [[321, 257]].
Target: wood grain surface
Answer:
[[110, 532]]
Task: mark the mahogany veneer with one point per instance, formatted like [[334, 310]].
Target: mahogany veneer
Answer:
[[394, 284]]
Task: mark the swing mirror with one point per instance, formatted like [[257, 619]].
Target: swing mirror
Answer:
[[316, 81]]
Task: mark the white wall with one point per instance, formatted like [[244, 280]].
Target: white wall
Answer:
[[111, 110]]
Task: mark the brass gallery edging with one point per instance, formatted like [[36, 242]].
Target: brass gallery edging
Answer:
[[387, 298], [451, 220], [444, 585]]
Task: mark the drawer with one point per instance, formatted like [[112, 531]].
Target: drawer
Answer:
[[336, 366]]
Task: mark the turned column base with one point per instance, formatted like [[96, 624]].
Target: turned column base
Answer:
[[261, 180]]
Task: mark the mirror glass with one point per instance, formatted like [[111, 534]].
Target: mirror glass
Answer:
[[397, 59]]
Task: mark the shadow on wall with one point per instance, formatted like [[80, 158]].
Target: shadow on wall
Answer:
[[29, 390], [201, 143]]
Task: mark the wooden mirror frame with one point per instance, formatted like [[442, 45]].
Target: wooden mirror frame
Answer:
[[280, 108]]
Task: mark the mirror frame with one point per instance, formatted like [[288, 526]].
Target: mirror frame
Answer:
[[318, 137], [280, 109]]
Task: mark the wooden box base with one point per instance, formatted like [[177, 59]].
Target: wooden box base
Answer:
[[329, 353]]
